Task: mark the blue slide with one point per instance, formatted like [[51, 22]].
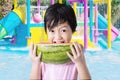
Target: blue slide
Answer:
[[9, 23], [103, 24]]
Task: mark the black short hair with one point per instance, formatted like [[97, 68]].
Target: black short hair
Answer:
[[60, 13]]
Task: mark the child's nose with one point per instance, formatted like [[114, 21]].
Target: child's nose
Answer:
[[58, 36]]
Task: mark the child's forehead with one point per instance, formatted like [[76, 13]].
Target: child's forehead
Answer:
[[59, 24], [62, 25]]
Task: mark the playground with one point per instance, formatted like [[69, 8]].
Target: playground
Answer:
[[93, 30], [24, 24]]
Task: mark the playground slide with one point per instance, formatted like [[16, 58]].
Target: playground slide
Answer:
[[118, 38], [11, 21], [103, 24]]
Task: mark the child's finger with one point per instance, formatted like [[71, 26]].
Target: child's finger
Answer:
[[31, 50], [70, 56], [78, 50], [73, 50], [81, 48], [31, 47], [34, 51], [39, 56]]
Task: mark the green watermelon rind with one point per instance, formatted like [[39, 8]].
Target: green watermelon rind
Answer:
[[54, 53]]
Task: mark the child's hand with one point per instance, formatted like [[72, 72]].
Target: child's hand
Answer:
[[77, 53], [35, 59]]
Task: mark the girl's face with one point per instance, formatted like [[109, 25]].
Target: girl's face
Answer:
[[62, 33]]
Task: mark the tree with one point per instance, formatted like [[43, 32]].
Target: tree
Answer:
[[115, 10], [5, 7]]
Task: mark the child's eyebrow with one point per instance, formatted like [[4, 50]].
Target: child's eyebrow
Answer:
[[64, 26]]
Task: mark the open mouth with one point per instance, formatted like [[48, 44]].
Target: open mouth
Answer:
[[59, 42]]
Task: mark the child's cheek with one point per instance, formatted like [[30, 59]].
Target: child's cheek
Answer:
[[50, 38]]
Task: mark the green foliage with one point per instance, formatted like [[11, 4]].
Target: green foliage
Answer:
[[115, 11], [5, 7], [2, 2], [21, 2], [115, 2], [45, 2]]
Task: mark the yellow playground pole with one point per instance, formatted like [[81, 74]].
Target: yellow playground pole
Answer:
[[60, 1], [109, 23], [15, 3], [75, 7], [100, 1], [109, 19]]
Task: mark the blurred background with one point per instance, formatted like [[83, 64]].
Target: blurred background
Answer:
[[7, 5]]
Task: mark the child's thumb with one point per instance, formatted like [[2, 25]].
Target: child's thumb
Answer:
[[39, 56]]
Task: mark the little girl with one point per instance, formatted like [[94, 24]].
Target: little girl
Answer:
[[60, 24]]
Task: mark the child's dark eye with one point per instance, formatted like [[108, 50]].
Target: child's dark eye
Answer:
[[52, 31], [63, 30]]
